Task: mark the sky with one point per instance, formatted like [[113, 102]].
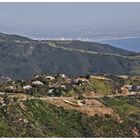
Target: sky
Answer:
[[27, 17]]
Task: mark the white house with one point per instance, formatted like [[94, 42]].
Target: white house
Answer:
[[11, 87], [62, 75], [50, 77], [27, 87], [2, 93], [63, 86], [37, 83]]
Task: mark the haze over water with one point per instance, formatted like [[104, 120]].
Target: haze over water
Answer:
[[85, 21]]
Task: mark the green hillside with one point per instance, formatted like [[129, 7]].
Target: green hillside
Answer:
[[37, 118], [57, 106], [21, 58]]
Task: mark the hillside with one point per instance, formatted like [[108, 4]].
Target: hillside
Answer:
[[91, 47], [37, 118], [60, 106], [21, 58]]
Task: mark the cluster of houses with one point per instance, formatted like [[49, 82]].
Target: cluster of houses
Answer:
[[58, 87], [4, 79], [54, 84]]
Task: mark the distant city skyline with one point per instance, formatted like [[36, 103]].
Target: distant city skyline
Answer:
[[56, 19]]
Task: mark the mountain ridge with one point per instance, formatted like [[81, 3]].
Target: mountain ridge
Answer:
[[13, 37], [22, 57]]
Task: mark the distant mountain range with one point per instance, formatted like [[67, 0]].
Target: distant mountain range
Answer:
[[21, 58]]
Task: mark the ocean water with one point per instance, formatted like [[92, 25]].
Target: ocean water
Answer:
[[132, 44]]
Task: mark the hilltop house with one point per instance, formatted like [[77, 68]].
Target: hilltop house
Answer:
[[2, 93], [37, 83], [63, 86], [10, 89], [50, 77], [79, 81], [4, 79], [27, 87], [63, 76]]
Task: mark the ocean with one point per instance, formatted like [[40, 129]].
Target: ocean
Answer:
[[132, 44]]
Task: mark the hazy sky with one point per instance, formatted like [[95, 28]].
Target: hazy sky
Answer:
[[39, 15]]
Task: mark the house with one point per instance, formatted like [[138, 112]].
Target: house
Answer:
[[4, 79], [27, 87], [63, 86], [11, 87], [62, 75], [80, 81], [55, 85], [99, 77], [123, 76], [37, 76], [2, 93], [68, 80], [37, 83], [49, 77]]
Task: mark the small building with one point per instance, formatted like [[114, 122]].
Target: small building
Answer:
[[49, 77], [11, 88], [27, 87], [5, 79], [62, 75], [68, 80], [80, 81], [37, 76], [37, 83], [63, 86], [2, 93]]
